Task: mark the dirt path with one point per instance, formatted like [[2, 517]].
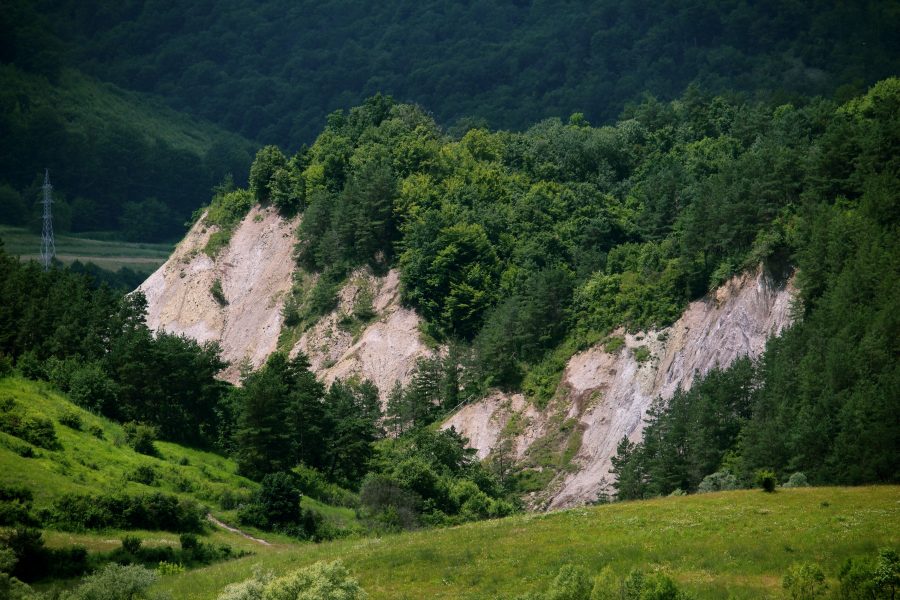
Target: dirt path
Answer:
[[219, 523]]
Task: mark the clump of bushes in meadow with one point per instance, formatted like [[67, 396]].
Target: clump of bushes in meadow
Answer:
[[192, 552], [140, 437], [34, 429], [157, 511], [319, 581]]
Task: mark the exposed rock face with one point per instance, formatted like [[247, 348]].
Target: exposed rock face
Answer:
[[602, 396], [609, 393], [385, 351], [255, 274]]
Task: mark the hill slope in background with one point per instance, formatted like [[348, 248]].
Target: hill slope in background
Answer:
[[273, 70], [117, 159]]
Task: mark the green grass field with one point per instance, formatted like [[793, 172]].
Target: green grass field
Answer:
[[731, 544], [736, 544], [111, 255]]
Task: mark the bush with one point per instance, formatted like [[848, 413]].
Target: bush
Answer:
[[116, 582], [319, 581], [719, 481], [141, 437], [156, 511], [15, 505], [766, 480], [40, 432], [217, 293], [131, 544], [144, 474], [571, 583], [71, 419], [797, 480], [805, 582], [865, 578], [96, 431]]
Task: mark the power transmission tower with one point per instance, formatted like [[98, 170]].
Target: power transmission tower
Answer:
[[48, 245]]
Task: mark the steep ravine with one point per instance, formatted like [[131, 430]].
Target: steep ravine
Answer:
[[604, 396]]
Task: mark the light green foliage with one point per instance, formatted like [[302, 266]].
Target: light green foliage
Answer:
[[796, 480], [250, 589], [320, 581], [226, 210], [719, 481], [864, 577], [805, 582], [269, 161], [116, 582], [571, 583]]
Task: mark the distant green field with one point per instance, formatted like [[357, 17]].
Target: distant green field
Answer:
[[111, 255]]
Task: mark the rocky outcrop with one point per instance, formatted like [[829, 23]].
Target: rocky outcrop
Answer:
[[384, 350], [607, 393], [254, 272]]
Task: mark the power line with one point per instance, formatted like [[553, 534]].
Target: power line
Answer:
[[48, 245]]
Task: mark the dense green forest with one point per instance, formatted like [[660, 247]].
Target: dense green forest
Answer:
[[271, 71]]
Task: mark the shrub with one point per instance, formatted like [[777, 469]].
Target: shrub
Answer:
[[865, 578], [217, 293], [249, 589], [796, 480], [805, 582], [319, 581], [116, 582], [141, 437], [571, 583], [188, 541], [40, 432], [719, 481], [71, 419], [156, 511], [766, 480], [144, 474], [96, 431], [131, 544], [15, 505]]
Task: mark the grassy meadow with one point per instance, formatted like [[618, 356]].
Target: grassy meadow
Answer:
[[731, 544], [110, 255], [736, 544]]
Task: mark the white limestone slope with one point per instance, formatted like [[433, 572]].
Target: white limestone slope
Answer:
[[384, 352], [609, 393], [255, 273]]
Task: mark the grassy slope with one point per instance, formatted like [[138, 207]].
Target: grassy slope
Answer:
[[86, 464], [739, 543], [112, 255]]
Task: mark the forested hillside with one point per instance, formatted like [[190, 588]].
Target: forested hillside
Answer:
[[120, 161], [271, 71]]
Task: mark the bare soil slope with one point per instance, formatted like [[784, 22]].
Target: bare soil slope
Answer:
[[255, 274]]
